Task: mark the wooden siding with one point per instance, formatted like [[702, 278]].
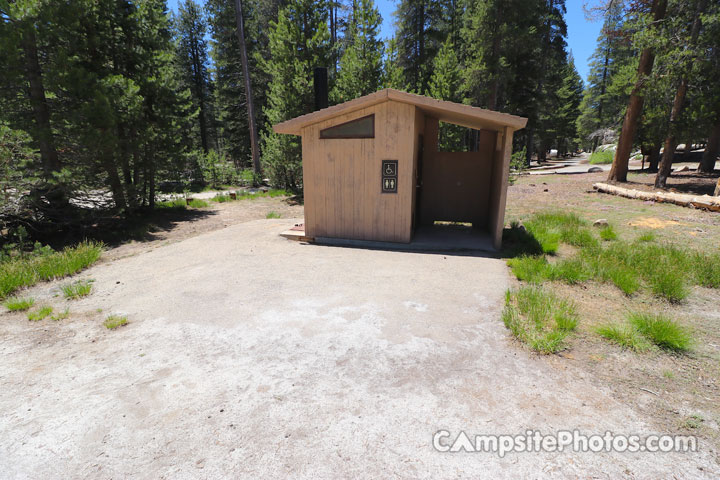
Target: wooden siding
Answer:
[[499, 185], [342, 178]]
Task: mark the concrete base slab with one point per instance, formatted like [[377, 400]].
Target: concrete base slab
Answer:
[[439, 238]]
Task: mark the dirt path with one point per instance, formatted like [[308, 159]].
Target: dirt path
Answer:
[[254, 357]]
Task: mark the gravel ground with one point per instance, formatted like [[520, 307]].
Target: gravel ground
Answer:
[[251, 356]]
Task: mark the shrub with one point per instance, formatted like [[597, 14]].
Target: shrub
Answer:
[[605, 157], [175, 204], [197, 203]]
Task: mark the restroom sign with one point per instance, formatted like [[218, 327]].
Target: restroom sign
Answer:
[[389, 176]]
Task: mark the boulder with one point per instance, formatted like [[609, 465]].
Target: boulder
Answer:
[[595, 170], [601, 222]]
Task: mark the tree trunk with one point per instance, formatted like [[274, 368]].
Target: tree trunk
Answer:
[[654, 158], [677, 108], [688, 149], [619, 169], [116, 187], [712, 150], [248, 88], [38, 101]]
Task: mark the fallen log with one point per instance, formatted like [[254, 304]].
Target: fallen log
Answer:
[[695, 201]]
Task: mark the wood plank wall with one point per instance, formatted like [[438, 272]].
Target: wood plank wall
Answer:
[[499, 185], [342, 177]]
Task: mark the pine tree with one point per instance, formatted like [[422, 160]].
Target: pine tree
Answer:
[[689, 52], [569, 98], [420, 31], [446, 84], [600, 109], [191, 27], [618, 171], [299, 41], [361, 62]]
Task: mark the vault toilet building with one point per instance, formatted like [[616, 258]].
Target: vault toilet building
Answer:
[[372, 169]]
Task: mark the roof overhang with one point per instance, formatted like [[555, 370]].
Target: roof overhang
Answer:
[[451, 112]]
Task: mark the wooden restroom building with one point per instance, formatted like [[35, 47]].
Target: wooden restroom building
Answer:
[[372, 170]]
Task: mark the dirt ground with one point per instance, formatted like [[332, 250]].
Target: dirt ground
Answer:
[[250, 356]]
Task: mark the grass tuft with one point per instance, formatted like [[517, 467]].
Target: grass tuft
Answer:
[[78, 289], [572, 271], [646, 237], [61, 315], [538, 318], [670, 285], [624, 335], [530, 269], [114, 321], [17, 304], [662, 331], [272, 215], [608, 233], [40, 314]]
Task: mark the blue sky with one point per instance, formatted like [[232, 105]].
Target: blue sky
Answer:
[[581, 33]]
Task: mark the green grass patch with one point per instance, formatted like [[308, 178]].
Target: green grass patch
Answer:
[[198, 203], [627, 336], [602, 158], [221, 198], [61, 315], [27, 271], [552, 228], [40, 314], [272, 215], [608, 233], [114, 321], [539, 318], [175, 204], [77, 289], [646, 237], [662, 331], [530, 269], [17, 304], [571, 271], [665, 270]]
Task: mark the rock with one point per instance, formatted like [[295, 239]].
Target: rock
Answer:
[[545, 190], [684, 168], [594, 169], [600, 222]]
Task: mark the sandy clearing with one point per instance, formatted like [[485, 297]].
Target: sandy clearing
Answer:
[[249, 356]]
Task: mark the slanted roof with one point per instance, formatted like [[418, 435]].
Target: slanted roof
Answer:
[[451, 112]]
